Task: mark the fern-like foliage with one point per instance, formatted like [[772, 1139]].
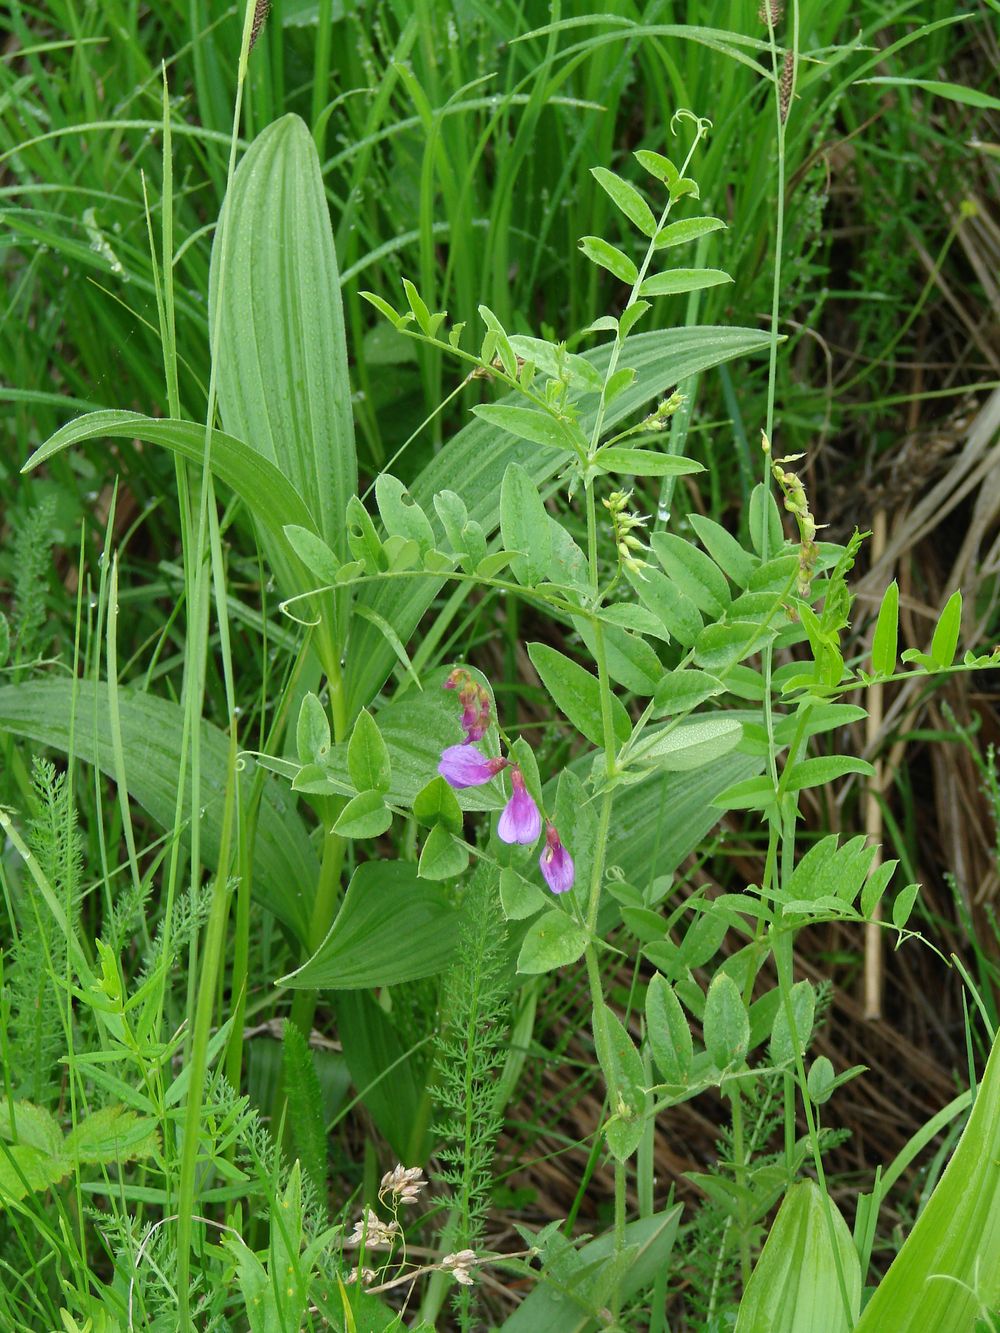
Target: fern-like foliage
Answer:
[[305, 1106], [32, 558], [143, 1255], [36, 1035], [189, 915], [712, 1241], [470, 1050]]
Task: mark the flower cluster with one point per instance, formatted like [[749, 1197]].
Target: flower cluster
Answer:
[[367, 1276], [465, 766], [658, 420], [797, 504], [459, 1263], [475, 704], [401, 1185], [624, 524], [371, 1232]]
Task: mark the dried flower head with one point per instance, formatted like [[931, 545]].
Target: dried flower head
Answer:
[[402, 1184], [459, 1263], [367, 1276], [785, 84], [772, 9], [372, 1232], [261, 10]]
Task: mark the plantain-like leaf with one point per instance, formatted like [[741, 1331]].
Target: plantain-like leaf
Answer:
[[794, 1286], [284, 385], [947, 1272], [392, 927], [74, 717], [473, 463], [657, 823], [266, 491]]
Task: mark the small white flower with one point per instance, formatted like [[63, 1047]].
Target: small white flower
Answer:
[[405, 1182], [367, 1276], [459, 1264], [372, 1232]]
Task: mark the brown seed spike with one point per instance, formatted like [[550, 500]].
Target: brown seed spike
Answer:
[[776, 9], [260, 13], [785, 84]]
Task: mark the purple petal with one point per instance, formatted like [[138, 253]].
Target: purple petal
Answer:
[[464, 766], [520, 821], [555, 863]]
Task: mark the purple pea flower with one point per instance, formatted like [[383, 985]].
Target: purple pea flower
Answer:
[[555, 862], [520, 821], [464, 766], [476, 717]]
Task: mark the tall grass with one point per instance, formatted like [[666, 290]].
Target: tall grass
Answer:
[[246, 757]]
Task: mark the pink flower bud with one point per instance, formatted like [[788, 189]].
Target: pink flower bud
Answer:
[[555, 862]]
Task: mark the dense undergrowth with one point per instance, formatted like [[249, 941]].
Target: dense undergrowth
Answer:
[[492, 310]]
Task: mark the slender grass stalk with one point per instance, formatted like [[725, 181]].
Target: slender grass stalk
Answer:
[[121, 778], [199, 610]]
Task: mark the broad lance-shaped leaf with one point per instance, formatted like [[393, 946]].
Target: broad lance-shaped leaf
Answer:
[[794, 1286], [392, 927], [473, 464], [285, 865], [284, 385], [270, 498], [948, 1270]]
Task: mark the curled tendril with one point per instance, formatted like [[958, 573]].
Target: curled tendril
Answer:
[[299, 620], [702, 123]]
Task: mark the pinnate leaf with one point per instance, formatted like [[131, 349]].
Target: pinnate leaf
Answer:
[[368, 756], [668, 1033], [884, 644], [683, 280], [553, 940], [608, 256], [945, 641], [627, 198], [577, 694], [678, 233]]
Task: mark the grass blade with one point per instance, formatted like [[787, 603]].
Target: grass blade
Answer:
[[284, 859]]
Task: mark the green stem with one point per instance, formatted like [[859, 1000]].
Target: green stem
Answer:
[[324, 904], [740, 1173], [211, 965], [782, 947]]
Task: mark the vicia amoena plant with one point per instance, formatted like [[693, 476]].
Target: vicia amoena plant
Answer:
[[425, 868]]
